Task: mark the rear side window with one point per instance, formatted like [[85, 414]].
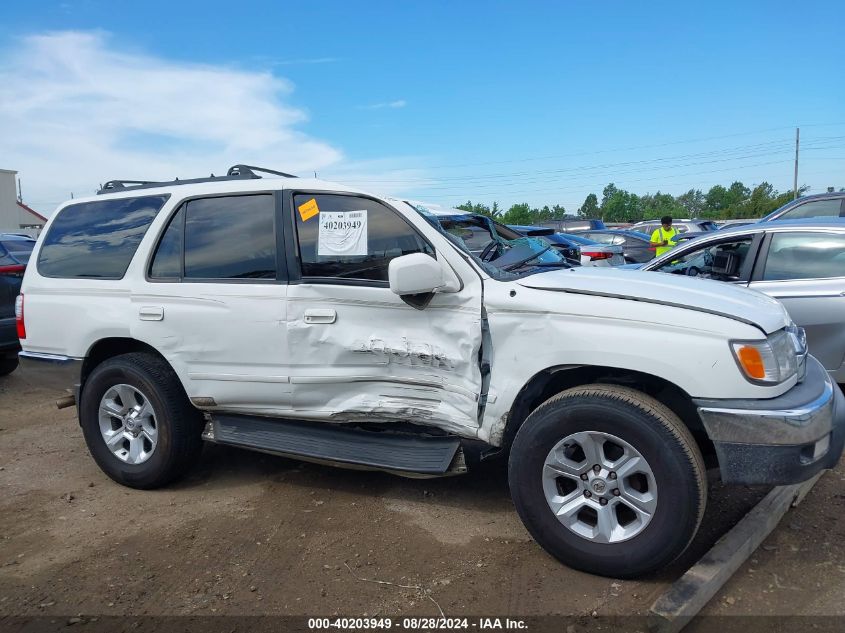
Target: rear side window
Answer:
[[97, 240], [830, 208], [227, 237], [805, 256]]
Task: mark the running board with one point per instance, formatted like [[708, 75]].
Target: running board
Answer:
[[338, 444]]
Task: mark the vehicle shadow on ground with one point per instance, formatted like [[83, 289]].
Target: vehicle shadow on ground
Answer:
[[484, 487]]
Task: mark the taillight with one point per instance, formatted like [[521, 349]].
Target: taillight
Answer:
[[19, 317], [594, 255], [15, 270]]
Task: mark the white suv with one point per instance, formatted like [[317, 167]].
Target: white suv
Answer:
[[306, 319]]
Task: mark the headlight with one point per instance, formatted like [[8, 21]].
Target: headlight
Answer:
[[767, 362]]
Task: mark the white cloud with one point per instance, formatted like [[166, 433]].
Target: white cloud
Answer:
[[75, 111], [399, 103]]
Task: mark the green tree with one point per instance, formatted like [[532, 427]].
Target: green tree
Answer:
[[481, 209], [692, 202], [607, 193], [590, 208], [518, 214], [715, 201], [621, 206], [737, 194], [658, 205], [543, 215]]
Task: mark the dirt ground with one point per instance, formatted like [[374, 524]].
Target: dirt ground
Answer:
[[248, 533]]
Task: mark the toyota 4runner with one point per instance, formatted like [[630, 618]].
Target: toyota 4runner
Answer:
[[310, 320]]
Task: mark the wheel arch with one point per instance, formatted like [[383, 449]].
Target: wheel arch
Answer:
[[553, 380], [106, 348]]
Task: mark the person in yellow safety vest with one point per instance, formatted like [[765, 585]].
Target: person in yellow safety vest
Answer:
[[661, 239]]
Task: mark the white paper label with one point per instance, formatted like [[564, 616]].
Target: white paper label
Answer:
[[342, 233]]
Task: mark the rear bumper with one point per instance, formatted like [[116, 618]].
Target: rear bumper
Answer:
[[52, 371], [782, 440]]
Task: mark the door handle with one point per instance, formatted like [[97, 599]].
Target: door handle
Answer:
[[320, 315], [151, 313]]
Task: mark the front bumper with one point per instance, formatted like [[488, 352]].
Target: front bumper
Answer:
[[52, 371], [781, 440]]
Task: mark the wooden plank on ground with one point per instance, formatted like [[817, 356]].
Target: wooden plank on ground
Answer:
[[687, 596]]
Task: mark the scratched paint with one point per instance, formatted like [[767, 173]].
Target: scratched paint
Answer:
[[414, 354]]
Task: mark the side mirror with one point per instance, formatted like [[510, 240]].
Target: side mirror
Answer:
[[415, 274]]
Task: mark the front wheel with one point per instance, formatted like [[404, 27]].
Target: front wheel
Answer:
[[608, 480], [139, 425]]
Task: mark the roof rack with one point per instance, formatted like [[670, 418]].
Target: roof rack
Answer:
[[235, 172]]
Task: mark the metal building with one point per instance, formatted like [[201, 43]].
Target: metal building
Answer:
[[15, 216]]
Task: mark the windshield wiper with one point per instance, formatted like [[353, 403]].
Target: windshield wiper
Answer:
[[526, 260]]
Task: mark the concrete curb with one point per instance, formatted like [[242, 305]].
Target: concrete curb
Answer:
[[682, 601]]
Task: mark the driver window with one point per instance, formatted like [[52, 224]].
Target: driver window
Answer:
[[347, 237], [723, 261]]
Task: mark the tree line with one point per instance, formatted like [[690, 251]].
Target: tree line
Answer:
[[619, 205]]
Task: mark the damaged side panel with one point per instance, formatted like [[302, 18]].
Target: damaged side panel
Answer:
[[380, 360]]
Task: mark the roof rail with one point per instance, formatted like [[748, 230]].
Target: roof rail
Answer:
[[248, 171], [236, 172]]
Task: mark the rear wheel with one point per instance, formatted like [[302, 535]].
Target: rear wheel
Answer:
[[8, 365], [138, 423], [608, 480]]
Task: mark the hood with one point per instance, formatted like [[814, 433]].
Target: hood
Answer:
[[702, 295]]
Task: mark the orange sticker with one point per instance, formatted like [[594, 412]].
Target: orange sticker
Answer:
[[308, 210]]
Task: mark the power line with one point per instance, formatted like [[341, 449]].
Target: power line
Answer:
[[625, 149], [561, 193]]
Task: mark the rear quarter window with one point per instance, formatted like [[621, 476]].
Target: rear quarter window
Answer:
[[98, 239]]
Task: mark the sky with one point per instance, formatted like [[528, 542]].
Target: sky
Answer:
[[538, 102]]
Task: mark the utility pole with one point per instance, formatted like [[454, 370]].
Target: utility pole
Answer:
[[795, 180]]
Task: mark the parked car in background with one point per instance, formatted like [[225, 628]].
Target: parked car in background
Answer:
[[635, 245], [595, 254], [819, 206], [14, 255], [567, 247], [566, 225], [681, 225], [724, 224], [799, 262]]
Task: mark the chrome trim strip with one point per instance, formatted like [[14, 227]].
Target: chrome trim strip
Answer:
[[799, 425]]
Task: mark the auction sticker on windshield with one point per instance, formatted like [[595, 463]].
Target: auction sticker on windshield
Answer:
[[309, 209], [342, 233]]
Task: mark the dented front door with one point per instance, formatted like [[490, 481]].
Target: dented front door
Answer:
[[358, 352]]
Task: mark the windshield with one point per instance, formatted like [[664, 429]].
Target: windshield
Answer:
[[501, 252]]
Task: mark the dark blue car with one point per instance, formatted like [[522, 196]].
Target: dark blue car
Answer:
[[14, 255], [570, 249]]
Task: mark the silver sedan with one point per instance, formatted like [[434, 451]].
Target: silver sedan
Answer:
[[800, 262]]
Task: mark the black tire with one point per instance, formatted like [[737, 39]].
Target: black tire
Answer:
[[179, 424], [8, 365], [656, 433]]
